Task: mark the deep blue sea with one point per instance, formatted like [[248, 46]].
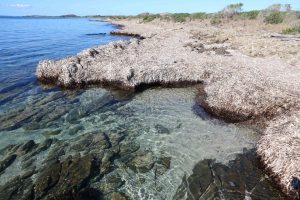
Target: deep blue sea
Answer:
[[93, 143], [25, 41]]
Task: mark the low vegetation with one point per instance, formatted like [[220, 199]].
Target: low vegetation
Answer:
[[118, 17], [199, 15], [250, 14], [215, 20], [150, 17], [274, 14], [293, 30], [180, 17], [176, 17], [275, 17]]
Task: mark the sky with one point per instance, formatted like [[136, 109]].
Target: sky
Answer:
[[125, 7]]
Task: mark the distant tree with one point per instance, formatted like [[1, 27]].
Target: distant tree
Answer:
[[69, 16], [280, 7], [287, 7], [275, 7], [143, 14], [232, 9]]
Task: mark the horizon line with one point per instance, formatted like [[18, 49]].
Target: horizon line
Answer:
[[75, 15]]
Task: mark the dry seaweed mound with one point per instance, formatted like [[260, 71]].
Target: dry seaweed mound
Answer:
[[279, 148]]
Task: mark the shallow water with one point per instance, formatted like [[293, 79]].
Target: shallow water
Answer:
[[144, 144]]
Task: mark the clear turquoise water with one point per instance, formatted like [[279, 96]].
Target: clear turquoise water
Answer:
[[162, 121]]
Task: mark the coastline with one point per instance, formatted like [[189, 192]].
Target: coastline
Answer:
[[234, 85]]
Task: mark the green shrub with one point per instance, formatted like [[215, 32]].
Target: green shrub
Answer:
[[150, 17], [215, 20], [298, 16], [199, 15], [275, 17], [180, 17], [293, 30], [250, 14], [118, 17], [166, 17]]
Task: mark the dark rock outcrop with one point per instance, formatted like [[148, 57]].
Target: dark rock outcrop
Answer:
[[81, 168], [240, 179]]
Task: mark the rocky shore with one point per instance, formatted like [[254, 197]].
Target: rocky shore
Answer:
[[88, 167], [244, 75], [76, 169]]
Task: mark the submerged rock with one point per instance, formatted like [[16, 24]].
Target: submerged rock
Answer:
[[117, 196], [106, 162], [43, 146], [84, 194], [142, 162], [17, 189], [7, 162], [165, 161], [47, 179], [161, 129], [52, 133], [62, 177], [110, 183], [79, 168], [27, 147], [74, 130], [240, 179]]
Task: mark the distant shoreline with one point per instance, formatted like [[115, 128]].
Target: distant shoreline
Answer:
[[49, 17]]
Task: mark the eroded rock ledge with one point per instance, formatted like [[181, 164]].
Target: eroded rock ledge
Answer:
[[239, 88]]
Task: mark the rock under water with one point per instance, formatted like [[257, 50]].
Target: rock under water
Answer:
[[239, 179]]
